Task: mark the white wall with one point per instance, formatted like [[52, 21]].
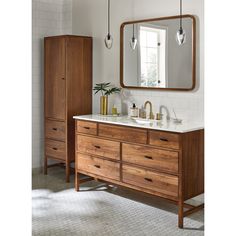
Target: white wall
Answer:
[[89, 18], [50, 17]]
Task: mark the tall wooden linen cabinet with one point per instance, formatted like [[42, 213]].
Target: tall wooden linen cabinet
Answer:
[[67, 92]]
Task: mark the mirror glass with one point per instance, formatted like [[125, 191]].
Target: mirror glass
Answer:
[[152, 58]]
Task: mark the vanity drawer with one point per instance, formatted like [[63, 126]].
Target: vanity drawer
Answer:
[[151, 157], [164, 139], [55, 149], [162, 183], [97, 166], [86, 127], [123, 133], [99, 147], [55, 130]]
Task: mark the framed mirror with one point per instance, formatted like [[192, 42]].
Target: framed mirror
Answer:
[[151, 58]]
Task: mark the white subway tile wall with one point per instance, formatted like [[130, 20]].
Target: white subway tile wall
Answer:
[[49, 17]]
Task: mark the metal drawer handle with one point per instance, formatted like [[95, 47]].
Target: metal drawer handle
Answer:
[[148, 157], [54, 129], [149, 180], [86, 127], [164, 139], [54, 148], [97, 166], [97, 147]]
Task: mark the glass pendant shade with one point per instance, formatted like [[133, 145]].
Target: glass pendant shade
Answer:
[[181, 36], [108, 41], [133, 43]]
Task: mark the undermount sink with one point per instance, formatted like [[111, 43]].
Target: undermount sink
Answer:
[[143, 121]]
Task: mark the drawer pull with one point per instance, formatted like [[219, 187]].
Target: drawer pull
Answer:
[[54, 148], [164, 139], [148, 157], [98, 147], [149, 180], [54, 129], [97, 166], [86, 127]]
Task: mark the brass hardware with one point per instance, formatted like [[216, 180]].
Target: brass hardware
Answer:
[[151, 115], [159, 116], [104, 105]]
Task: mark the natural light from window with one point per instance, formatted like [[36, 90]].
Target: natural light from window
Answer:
[[152, 56]]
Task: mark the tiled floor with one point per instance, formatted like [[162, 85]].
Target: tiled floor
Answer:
[[101, 210]]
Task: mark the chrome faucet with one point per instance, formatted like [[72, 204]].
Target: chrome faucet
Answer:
[[167, 111], [151, 115]]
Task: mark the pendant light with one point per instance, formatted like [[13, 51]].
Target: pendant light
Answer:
[[181, 35], [108, 40], [133, 41]]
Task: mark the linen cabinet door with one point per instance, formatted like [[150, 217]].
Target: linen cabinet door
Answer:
[[55, 83]]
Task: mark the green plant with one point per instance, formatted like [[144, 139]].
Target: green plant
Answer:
[[105, 89]]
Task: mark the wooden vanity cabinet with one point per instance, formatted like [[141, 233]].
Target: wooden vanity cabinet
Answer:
[[167, 164], [67, 91]]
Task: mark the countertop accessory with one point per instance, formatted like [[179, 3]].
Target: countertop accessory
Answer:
[[114, 110], [106, 90], [134, 111]]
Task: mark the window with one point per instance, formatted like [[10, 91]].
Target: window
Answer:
[[152, 56]]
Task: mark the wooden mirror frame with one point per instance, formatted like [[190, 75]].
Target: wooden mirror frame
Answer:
[[159, 19]]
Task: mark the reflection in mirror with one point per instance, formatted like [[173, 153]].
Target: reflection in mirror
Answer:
[[158, 61]]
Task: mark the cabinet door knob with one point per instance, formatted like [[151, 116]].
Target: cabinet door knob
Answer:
[[98, 147], [54, 148], [148, 179], [164, 139], [148, 157], [97, 166], [63, 78], [54, 129]]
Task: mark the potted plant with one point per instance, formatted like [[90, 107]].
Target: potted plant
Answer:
[[106, 90]]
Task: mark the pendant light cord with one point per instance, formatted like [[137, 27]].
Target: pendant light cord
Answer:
[[180, 14], [133, 30], [108, 17]]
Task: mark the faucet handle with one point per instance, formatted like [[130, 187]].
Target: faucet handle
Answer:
[[159, 116], [151, 116]]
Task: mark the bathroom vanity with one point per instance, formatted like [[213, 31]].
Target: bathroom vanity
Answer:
[[159, 158]]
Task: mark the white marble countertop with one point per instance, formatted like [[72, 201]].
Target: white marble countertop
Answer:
[[155, 125]]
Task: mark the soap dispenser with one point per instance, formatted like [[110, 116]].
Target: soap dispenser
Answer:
[[142, 113], [134, 111]]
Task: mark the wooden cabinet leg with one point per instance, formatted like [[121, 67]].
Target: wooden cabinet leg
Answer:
[[67, 172], [76, 181], [181, 214], [45, 170]]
